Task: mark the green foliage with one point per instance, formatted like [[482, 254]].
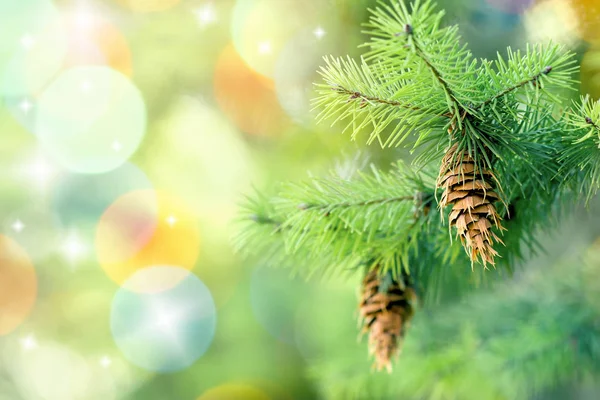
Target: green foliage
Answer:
[[581, 155], [333, 222], [510, 343], [370, 100]]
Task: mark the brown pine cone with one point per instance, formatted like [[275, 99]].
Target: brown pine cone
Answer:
[[385, 313], [470, 190]]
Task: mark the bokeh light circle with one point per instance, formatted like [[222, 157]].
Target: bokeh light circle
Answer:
[[201, 138], [143, 228], [41, 370], [165, 330], [588, 18], [91, 119], [275, 299], [234, 391], [296, 70], [19, 18], [247, 98], [81, 199], [18, 285], [125, 228], [95, 41], [52, 372], [32, 46], [553, 20], [144, 6], [260, 28]]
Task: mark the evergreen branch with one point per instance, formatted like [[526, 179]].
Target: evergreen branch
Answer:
[[580, 155], [533, 80], [365, 203], [591, 122], [539, 67], [386, 94], [324, 204], [434, 70], [407, 40], [373, 99], [315, 219], [264, 220]]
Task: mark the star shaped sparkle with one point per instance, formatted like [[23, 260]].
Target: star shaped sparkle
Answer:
[[319, 33]]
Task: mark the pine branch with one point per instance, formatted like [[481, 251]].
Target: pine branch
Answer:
[[365, 203], [545, 69], [264, 220], [372, 99], [580, 152], [591, 122], [454, 102], [410, 39], [314, 219], [533, 80]]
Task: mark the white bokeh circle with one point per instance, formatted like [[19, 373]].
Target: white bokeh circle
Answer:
[[91, 119]]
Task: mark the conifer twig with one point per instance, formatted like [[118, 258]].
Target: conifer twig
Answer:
[[591, 122], [358, 95], [367, 203], [434, 70], [506, 91], [264, 220]]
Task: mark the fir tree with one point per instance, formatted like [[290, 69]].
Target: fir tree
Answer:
[[500, 150]]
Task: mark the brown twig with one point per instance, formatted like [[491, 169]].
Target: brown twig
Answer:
[[408, 29], [358, 95], [591, 122], [534, 79], [305, 206]]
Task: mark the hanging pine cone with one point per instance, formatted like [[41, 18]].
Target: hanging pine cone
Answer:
[[386, 307], [470, 190]]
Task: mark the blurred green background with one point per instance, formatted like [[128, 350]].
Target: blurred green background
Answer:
[[129, 132]]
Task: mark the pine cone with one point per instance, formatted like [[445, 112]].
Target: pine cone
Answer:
[[470, 190], [385, 313]]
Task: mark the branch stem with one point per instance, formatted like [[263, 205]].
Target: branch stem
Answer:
[[264, 220], [506, 91], [591, 122], [357, 204], [358, 95], [436, 73]]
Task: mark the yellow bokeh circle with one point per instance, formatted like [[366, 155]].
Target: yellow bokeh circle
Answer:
[[261, 28], [588, 18], [145, 228]]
